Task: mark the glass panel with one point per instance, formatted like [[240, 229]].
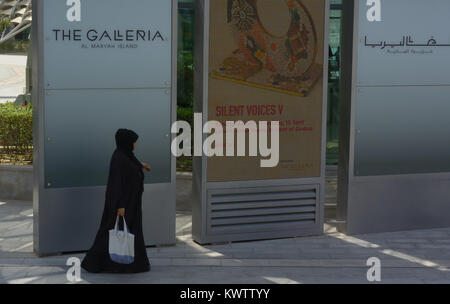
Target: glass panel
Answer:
[[334, 68], [185, 57], [80, 128], [185, 111]]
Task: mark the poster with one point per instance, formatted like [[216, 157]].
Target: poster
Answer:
[[266, 64]]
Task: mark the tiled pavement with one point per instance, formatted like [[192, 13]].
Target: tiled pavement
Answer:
[[407, 257]]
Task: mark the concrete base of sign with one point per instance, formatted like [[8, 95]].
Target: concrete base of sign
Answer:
[[16, 182]]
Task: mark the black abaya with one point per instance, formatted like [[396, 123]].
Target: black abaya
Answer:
[[124, 190]]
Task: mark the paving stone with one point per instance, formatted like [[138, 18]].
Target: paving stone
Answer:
[[400, 246], [160, 262], [175, 254], [8, 273], [11, 262], [207, 255], [196, 262], [434, 246], [244, 262], [48, 261]]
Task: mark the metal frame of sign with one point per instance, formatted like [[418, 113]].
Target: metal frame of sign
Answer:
[[371, 204], [66, 219], [205, 193]]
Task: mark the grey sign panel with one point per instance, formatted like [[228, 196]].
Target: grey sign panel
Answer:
[[402, 130], [117, 44], [83, 91], [410, 46], [396, 127], [80, 127], [403, 81]]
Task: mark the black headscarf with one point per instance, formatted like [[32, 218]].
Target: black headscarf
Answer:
[[124, 141]]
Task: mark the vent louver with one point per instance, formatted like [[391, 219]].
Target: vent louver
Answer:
[[261, 208]]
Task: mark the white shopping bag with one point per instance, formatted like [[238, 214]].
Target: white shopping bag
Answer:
[[121, 244]]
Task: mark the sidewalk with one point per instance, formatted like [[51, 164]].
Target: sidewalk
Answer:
[[406, 257]]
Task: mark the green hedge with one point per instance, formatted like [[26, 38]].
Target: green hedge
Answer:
[[14, 46], [186, 114], [16, 130]]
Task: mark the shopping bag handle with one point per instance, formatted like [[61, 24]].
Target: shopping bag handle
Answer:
[[125, 228]]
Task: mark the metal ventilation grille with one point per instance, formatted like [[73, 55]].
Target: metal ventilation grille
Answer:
[[260, 209]]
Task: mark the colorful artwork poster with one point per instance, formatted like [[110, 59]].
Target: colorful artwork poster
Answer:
[[266, 64]]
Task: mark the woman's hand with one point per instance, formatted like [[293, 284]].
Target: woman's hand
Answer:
[[146, 167], [121, 212]]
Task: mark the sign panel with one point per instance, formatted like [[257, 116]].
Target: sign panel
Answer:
[[266, 64], [107, 65], [409, 46], [115, 44], [403, 81]]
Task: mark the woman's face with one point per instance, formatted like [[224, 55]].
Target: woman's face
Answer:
[[134, 145]]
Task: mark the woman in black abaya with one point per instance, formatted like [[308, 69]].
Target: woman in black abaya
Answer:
[[124, 198]]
